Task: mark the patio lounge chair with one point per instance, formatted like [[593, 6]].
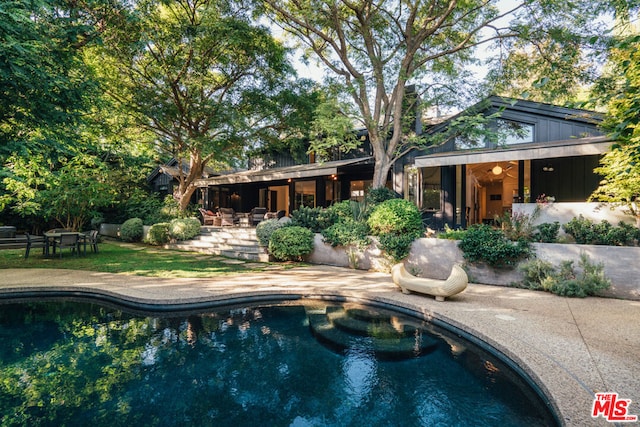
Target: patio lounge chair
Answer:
[[228, 216], [208, 217], [455, 283], [257, 215]]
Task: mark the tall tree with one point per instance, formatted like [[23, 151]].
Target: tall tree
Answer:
[[376, 48], [619, 90], [199, 75]]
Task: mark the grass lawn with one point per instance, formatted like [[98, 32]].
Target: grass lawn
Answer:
[[137, 259]]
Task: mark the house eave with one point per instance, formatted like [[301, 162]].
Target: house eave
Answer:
[[546, 150], [292, 172]]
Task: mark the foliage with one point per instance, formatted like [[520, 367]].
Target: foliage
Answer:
[[451, 234], [397, 223], [291, 243], [585, 231], [541, 275], [343, 211], [517, 225], [375, 196], [377, 51], [132, 230], [265, 229], [159, 234], [482, 243], [397, 246], [395, 216], [184, 228], [546, 232], [345, 233], [205, 100], [307, 217]]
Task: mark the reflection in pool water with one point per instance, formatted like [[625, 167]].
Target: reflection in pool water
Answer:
[[72, 363]]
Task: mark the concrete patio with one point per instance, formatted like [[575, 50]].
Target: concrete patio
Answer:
[[571, 347]]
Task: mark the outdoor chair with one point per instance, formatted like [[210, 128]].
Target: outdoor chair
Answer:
[[257, 215], [34, 242], [208, 217], [228, 216], [67, 241], [92, 240]]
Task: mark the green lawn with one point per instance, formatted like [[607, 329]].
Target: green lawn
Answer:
[[138, 259]]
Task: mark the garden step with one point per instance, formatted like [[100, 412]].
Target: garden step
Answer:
[[232, 242]]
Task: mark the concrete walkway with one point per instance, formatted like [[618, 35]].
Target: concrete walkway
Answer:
[[571, 347]]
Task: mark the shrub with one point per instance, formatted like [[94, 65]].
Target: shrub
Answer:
[[374, 197], [132, 230], [451, 234], [482, 243], [566, 281], [343, 211], [398, 223], [535, 273], [517, 226], [396, 216], [347, 233], [265, 229], [184, 228], [158, 234], [291, 243], [397, 246], [547, 232], [307, 217], [584, 231]]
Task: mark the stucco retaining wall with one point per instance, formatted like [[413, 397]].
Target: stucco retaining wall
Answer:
[[430, 257], [565, 211]]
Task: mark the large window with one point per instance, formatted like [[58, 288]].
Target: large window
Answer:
[[431, 187], [358, 189], [305, 194], [515, 132]]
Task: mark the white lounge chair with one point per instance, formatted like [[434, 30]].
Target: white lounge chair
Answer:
[[454, 284]]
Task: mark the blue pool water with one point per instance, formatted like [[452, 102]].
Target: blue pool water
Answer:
[[83, 364]]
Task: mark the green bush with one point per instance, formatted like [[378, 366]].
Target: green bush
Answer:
[[291, 243], [397, 223], [547, 232], [585, 231], [265, 229], [397, 246], [451, 234], [132, 230], [184, 228], [345, 233], [343, 211], [396, 216], [374, 197], [307, 217], [482, 243], [566, 281], [158, 234]]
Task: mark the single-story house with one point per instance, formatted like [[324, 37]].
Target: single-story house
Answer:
[[553, 152]]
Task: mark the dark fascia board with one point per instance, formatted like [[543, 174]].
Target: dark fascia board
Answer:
[[494, 103]]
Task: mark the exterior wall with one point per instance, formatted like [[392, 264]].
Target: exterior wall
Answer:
[[434, 258], [565, 212]]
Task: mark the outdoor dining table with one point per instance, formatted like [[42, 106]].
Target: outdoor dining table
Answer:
[[50, 239]]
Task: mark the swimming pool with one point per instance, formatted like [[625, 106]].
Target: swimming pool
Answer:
[[302, 363]]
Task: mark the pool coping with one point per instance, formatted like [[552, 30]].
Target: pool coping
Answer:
[[571, 348]]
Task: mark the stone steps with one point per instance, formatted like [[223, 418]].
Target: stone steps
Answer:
[[378, 333], [232, 242]]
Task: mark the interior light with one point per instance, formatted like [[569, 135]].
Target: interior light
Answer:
[[497, 170]]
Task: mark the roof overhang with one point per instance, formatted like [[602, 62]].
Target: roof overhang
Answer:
[[290, 172], [548, 150]]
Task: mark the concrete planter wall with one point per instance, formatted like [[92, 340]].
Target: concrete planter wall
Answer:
[[434, 258], [113, 230]]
